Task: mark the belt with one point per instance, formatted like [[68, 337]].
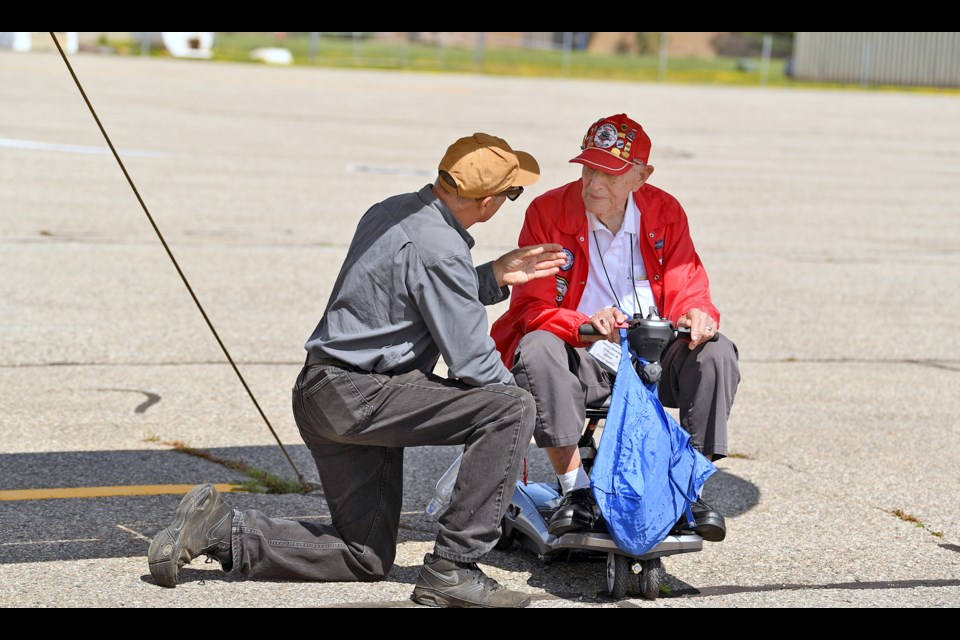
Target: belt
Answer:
[[313, 360]]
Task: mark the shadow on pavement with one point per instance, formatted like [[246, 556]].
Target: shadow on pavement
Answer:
[[34, 529]]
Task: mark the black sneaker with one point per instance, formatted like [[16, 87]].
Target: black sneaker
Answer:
[[203, 524], [577, 511], [710, 524], [444, 583]]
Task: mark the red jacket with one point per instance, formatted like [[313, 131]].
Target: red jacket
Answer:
[[678, 280]]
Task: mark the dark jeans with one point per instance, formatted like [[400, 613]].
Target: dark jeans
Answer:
[[356, 425], [702, 383]]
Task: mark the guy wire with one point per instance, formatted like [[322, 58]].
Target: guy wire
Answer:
[[308, 486]]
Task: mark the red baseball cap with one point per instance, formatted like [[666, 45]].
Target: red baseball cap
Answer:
[[614, 144]]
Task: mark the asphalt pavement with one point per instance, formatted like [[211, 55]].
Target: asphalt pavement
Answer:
[[827, 220]]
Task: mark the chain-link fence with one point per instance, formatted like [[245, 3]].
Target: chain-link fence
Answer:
[[727, 57], [671, 56]]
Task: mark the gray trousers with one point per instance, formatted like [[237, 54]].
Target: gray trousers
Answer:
[[563, 380], [356, 425]]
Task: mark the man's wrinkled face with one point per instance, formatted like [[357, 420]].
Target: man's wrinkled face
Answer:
[[605, 193]]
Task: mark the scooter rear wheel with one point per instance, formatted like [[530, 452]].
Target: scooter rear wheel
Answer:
[[506, 539], [651, 578]]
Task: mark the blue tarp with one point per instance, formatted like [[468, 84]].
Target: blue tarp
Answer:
[[646, 472]]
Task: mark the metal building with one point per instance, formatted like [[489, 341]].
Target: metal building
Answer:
[[920, 58]]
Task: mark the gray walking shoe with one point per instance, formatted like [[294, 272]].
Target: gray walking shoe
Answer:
[[443, 583], [203, 524]]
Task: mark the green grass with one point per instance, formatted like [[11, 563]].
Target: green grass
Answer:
[[344, 52], [260, 480], [906, 517], [340, 52], [336, 51]]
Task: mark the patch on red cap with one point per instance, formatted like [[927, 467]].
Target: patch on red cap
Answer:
[[614, 144]]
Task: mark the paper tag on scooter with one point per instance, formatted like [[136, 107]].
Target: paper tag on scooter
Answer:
[[607, 354]]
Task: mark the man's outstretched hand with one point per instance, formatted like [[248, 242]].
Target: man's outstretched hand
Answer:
[[528, 263]]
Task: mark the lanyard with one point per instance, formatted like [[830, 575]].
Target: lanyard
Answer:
[[633, 278]]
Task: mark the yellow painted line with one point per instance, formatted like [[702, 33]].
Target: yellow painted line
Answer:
[[106, 492], [133, 533], [21, 544]]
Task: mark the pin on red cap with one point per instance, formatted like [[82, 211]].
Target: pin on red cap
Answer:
[[614, 144]]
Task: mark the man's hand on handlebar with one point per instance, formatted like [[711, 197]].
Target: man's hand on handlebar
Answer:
[[702, 327], [607, 321]]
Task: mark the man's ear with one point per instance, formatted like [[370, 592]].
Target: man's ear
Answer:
[[486, 205], [645, 175]]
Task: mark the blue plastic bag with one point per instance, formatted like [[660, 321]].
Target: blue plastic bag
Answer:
[[646, 472]]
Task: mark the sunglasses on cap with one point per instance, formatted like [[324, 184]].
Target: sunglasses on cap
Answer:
[[512, 193]]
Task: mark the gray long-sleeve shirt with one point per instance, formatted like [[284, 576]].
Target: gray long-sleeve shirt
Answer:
[[408, 293]]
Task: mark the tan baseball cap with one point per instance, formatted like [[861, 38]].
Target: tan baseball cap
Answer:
[[483, 165]]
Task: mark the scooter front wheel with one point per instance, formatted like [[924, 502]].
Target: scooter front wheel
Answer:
[[618, 575]]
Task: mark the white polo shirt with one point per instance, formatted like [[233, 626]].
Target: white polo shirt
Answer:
[[610, 266]]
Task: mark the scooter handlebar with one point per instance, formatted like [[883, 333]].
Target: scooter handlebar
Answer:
[[681, 333], [588, 330]]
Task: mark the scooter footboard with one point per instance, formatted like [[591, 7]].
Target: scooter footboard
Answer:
[[526, 523], [523, 520]]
